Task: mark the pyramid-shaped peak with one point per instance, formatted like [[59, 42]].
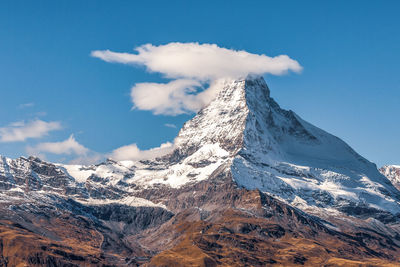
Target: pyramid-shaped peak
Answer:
[[234, 93], [224, 121], [250, 83], [254, 81]]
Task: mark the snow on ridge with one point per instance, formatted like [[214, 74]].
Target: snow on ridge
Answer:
[[194, 168], [128, 201], [391, 166], [114, 171]]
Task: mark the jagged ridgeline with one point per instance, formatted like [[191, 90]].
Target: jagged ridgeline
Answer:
[[247, 184]]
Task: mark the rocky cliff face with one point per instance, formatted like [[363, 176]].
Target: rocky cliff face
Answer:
[[248, 183], [392, 172]]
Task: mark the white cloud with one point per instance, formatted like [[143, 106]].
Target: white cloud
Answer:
[[128, 152], [20, 131], [170, 125], [83, 155], [171, 98], [132, 152], [201, 61], [69, 147], [191, 65]]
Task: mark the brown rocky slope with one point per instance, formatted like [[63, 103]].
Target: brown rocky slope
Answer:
[[219, 225]]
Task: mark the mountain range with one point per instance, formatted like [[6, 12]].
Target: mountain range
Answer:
[[246, 184]]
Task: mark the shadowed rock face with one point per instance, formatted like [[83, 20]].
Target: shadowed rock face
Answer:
[[248, 184]]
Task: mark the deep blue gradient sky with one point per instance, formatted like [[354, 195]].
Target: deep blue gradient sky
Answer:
[[350, 85]]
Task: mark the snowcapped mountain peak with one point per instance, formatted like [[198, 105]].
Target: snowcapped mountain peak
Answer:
[[223, 120], [274, 150], [255, 86], [242, 134]]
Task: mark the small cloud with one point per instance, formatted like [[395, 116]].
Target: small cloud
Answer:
[[85, 156], [20, 130], [132, 152], [69, 147], [191, 65], [170, 125], [175, 97], [26, 105], [128, 152]]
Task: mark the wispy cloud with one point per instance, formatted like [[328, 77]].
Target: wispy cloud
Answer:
[[128, 152], [170, 125], [192, 65], [21, 130], [69, 147], [132, 152], [83, 155]]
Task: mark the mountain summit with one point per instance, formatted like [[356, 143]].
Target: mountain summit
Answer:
[[271, 149], [244, 175]]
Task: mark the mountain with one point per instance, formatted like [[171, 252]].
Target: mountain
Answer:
[[277, 152], [247, 184], [392, 172]]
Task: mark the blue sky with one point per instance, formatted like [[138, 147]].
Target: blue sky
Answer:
[[349, 85]]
